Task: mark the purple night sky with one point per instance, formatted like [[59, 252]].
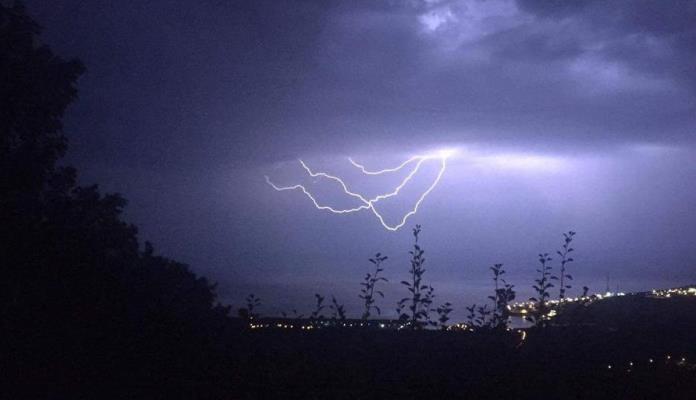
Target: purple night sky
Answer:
[[565, 116]]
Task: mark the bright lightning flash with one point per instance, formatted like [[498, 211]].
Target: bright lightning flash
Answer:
[[369, 203]]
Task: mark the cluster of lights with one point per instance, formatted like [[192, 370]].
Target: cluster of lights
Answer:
[[281, 326], [397, 325], [555, 302], [369, 203], [520, 309], [528, 307], [461, 327], [667, 293], [680, 361], [325, 324]]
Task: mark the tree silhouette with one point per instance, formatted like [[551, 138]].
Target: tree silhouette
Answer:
[[79, 296]]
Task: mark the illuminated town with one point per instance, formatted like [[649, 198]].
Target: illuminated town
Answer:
[[519, 309]]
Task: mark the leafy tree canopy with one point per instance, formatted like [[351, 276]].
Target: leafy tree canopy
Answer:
[[79, 296]]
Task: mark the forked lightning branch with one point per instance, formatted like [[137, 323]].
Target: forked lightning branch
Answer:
[[368, 204]]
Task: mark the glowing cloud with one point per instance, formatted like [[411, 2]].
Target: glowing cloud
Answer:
[[523, 162], [369, 203]]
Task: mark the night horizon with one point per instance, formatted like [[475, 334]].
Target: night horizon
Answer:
[[561, 122], [279, 148]]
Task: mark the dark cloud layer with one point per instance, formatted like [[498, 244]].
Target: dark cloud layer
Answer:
[[569, 114], [652, 37]]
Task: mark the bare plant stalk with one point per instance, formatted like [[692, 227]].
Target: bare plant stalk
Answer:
[[565, 250]]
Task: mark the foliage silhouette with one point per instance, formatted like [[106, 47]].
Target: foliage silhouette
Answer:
[[367, 293], [503, 295], [421, 299], [443, 312], [318, 308], [565, 260], [81, 299], [471, 316], [482, 313], [541, 287], [338, 312]]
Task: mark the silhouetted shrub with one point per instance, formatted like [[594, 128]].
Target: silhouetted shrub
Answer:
[[565, 259], [367, 293], [482, 313], [471, 316], [319, 306], [338, 312], [443, 312], [541, 287], [421, 299], [503, 295]]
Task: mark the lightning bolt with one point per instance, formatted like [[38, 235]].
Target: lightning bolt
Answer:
[[384, 171], [369, 203]]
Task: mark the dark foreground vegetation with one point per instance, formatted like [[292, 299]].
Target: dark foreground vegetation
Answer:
[[555, 363], [87, 311], [626, 347]]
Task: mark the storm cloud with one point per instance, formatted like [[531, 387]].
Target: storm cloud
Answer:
[[567, 115]]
